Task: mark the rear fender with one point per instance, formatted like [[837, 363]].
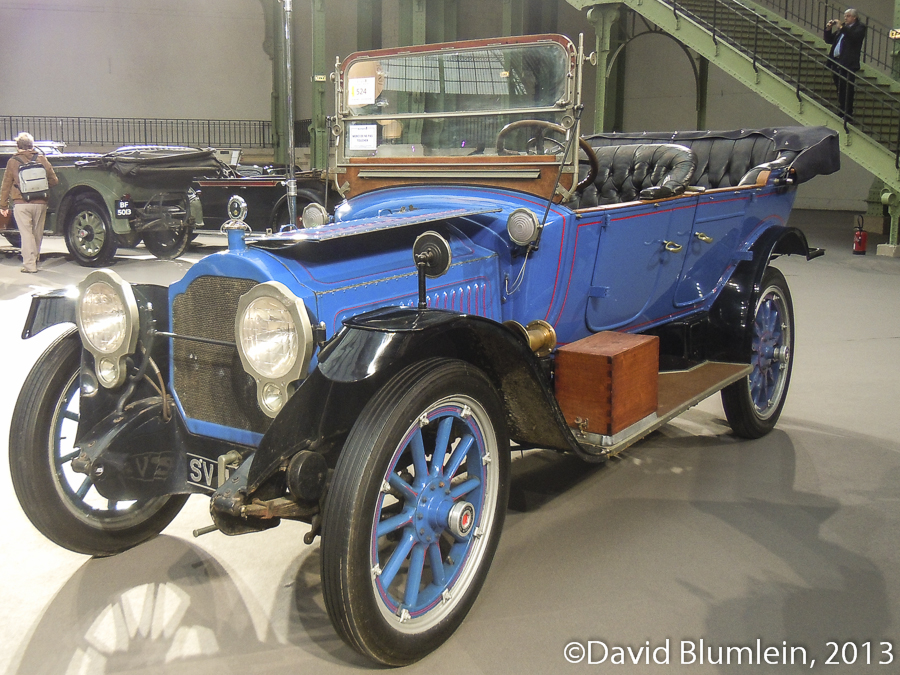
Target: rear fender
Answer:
[[732, 312], [372, 348]]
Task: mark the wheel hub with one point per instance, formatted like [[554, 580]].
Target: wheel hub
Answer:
[[436, 511]]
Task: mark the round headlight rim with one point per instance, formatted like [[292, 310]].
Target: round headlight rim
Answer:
[[302, 323], [88, 334], [242, 335], [125, 294]]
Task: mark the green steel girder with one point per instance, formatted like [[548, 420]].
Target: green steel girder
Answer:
[[318, 134], [513, 17], [857, 146]]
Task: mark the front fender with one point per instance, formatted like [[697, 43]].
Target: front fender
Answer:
[[373, 347]]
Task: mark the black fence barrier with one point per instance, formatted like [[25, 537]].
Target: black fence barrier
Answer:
[[110, 131]]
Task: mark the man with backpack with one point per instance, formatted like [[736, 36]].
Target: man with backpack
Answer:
[[26, 183]]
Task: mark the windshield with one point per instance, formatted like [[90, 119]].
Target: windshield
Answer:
[[449, 103]]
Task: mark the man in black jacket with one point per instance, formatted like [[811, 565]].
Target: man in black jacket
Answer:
[[846, 45]]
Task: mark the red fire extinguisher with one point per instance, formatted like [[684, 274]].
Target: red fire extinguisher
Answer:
[[860, 238]]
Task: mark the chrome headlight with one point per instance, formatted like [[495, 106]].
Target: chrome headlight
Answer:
[[107, 317], [274, 340]]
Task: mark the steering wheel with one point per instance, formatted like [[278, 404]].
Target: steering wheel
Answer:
[[534, 143]]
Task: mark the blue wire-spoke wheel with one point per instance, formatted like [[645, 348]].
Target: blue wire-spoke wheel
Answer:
[[63, 504], [415, 511], [437, 502], [754, 404]]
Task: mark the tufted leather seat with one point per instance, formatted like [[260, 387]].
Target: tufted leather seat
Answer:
[[724, 159], [628, 170]]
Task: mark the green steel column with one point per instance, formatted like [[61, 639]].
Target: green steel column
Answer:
[[892, 200], [702, 91], [318, 136], [513, 18], [441, 21], [895, 48], [275, 50], [602, 18], [364, 25], [412, 22]]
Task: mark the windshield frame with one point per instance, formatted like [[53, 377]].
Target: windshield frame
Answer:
[[561, 111]]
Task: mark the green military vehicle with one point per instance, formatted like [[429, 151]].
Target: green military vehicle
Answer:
[[104, 201]]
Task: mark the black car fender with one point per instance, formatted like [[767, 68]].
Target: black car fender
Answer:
[[306, 195], [373, 347], [732, 312]]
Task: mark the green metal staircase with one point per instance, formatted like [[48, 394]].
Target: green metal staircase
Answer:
[[786, 65]]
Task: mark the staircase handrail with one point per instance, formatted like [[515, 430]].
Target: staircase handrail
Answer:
[[803, 55], [813, 14]]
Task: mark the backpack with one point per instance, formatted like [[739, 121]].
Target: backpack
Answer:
[[33, 182]]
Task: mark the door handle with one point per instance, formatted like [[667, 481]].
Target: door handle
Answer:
[[705, 238], [672, 247]]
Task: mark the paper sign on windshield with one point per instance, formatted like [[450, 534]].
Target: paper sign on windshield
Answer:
[[363, 136], [361, 91]]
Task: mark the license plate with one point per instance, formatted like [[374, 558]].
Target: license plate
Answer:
[[123, 208], [202, 472]]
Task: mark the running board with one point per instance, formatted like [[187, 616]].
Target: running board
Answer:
[[678, 391]]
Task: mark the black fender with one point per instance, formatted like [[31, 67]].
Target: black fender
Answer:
[[732, 312], [373, 347], [307, 194], [129, 454], [58, 306]]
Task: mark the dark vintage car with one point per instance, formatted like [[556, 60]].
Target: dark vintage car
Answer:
[[491, 276], [264, 191]]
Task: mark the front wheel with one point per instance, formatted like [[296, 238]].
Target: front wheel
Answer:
[[88, 234], [753, 404], [415, 511], [62, 504]]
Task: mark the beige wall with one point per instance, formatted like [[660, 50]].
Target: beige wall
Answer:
[[205, 59], [133, 58]]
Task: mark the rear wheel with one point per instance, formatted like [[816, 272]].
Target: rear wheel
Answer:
[[128, 240], [753, 404], [88, 234], [169, 243], [63, 504], [414, 514]]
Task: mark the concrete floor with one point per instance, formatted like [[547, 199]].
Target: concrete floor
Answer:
[[791, 540]]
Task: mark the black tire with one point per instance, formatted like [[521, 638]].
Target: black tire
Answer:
[[169, 243], [280, 219], [40, 447], [364, 605], [754, 403], [130, 240], [14, 239], [88, 234]]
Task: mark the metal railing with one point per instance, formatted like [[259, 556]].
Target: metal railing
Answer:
[[876, 110], [813, 15], [110, 131]]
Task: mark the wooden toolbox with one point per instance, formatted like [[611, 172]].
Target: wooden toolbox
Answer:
[[608, 381]]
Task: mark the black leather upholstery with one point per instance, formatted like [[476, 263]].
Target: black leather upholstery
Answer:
[[626, 170], [723, 160]]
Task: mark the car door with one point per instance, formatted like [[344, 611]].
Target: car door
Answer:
[[639, 257]]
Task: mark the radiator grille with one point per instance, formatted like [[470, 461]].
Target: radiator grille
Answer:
[[208, 379]]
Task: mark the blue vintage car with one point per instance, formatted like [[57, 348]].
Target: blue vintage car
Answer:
[[490, 277]]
